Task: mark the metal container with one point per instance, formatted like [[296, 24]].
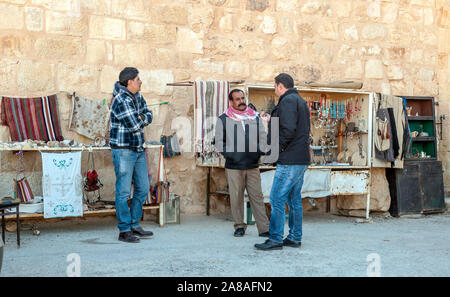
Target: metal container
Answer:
[[172, 210]]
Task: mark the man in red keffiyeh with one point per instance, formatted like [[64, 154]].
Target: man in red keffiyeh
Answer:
[[239, 132]]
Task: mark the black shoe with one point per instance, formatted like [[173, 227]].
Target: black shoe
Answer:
[[291, 243], [239, 232], [265, 234], [141, 232], [269, 245], [128, 237]]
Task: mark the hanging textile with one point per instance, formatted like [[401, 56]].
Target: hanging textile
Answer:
[[62, 185], [89, 117], [171, 145], [210, 101], [32, 118]]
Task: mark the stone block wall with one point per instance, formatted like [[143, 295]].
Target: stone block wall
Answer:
[[46, 46]]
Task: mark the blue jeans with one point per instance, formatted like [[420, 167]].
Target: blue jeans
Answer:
[[286, 188], [130, 166]]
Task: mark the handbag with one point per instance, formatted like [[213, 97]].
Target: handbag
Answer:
[[91, 182], [21, 186]]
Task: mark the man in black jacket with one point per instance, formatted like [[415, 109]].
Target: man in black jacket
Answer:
[[238, 132], [294, 158]]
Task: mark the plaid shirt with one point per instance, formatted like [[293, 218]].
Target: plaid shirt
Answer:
[[126, 128]]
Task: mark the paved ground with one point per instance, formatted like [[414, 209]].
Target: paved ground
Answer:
[[204, 246]]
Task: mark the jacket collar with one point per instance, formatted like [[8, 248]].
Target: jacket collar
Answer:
[[118, 89], [289, 91]]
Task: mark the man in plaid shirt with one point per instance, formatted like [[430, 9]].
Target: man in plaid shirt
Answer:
[[129, 116]]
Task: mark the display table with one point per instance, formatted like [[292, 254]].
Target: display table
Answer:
[[89, 213]]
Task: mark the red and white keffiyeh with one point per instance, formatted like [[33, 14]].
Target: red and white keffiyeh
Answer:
[[237, 115]]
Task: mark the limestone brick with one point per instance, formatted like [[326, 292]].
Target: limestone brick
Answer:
[[8, 76], [15, 1], [172, 14], [386, 88], [428, 17], [167, 58], [217, 2], [351, 33], [328, 30], [374, 69], [96, 51], [255, 49], [222, 46], [373, 31], [201, 18], [107, 28], [263, 72], [342, 9], [12, 17], [312, 73], [426, 74], [226, 23], [64, 5], [189, 41], [269, 25], [61, 23], [238, 70], [154, 34], [136, 9], [394, 72], [15, 46], [305, 30], [389, 12], [354, 70], [35, 77], [411, 14], [100, 7], [258, 5], [444, 17], [374, 9], [58, 48], [287, 5], [155, 81], [137, 54], [108, 77], [205, 65], [77, 78], [316, 7], [281, 48], [34, 18]]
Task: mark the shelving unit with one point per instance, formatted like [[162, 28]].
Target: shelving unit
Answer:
[[421, 118], [418, 187]]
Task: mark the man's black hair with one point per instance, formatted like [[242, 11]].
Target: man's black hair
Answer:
[[230, 95], [128, 73], [285, 79]]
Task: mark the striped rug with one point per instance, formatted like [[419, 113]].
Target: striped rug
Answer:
[[210, 101], [32, 118]]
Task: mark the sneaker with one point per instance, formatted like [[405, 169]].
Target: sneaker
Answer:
[[265, 234], [128, 237], [269, 245], [239, 232], [291, 243], [141, 232]]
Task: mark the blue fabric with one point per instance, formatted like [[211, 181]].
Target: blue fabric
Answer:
[[286, 188], [126, 128], [130, 166]]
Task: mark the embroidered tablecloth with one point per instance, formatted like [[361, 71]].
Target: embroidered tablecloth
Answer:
[[61, 184]]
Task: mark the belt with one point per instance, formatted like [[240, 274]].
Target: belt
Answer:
[[133, 148]]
